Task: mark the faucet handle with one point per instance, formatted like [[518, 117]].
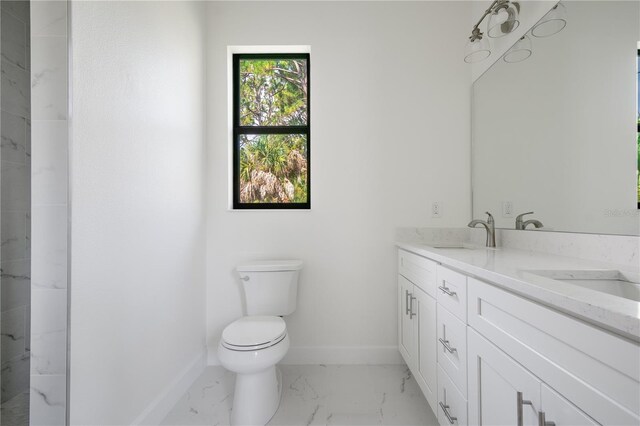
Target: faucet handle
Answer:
[[520, 222], [490, 218], [519, 217]]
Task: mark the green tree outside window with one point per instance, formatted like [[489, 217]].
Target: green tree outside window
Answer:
[[271, 131]]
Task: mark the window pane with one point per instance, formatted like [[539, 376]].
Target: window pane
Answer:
[[273, 168], [273, 92]]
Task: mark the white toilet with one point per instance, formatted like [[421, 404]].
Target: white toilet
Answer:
[[252, 345]]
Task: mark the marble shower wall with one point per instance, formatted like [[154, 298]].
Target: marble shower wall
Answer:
[[49, 98], [15, 202]]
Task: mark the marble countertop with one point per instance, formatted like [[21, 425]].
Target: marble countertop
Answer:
[[509, 268]]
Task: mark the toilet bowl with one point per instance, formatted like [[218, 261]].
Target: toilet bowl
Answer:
[[251, 347]]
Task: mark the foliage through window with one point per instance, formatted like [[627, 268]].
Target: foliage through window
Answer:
[[271, 131]]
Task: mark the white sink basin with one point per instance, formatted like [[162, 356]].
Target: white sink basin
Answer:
[[608, 281], [458, 246]]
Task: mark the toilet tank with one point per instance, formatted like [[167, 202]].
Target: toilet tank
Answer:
[[271, 286]]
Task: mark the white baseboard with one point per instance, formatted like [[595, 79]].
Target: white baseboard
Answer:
[[366, 355], [164, 402], [336, 355]]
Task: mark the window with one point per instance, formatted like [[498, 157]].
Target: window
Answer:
[[271, 137]]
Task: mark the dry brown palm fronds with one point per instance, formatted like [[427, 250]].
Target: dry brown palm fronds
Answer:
[[296, 163], [265, 186]]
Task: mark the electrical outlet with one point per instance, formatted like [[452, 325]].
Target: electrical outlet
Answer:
[[436, 209], [507, 209]]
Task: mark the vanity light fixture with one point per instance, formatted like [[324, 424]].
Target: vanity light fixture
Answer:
[[503, 19], [477, 48], [519, 51], [552, 23]]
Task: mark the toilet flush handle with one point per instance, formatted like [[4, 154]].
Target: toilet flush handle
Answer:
[[245, 278]]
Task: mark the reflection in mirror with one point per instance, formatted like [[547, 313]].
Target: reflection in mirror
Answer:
[[556, 133]]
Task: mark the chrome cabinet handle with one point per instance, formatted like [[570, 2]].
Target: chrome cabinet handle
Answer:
[[445, 343], [406, 302], [542, 421], [446, 290], [520, 405], [445, 408], [411, 299]]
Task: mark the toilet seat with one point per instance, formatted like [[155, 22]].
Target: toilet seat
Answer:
[[253, 333]]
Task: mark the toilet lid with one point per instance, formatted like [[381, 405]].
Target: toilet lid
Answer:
[[254, 331]]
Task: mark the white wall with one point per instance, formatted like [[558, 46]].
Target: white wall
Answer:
[[138, 225], [390, 135]]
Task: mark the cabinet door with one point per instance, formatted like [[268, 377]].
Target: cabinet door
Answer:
[[501, 391], [560, 412], [424, 306], [405, 322]]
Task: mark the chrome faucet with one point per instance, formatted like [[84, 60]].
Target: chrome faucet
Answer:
[[489, 225], [521, 225]]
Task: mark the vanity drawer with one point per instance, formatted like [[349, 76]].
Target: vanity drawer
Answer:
[[451, 400], [452, 292], [419, 270], [452, 348]]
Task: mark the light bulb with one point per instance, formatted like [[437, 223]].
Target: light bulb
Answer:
[[503, 21], [501, 16]]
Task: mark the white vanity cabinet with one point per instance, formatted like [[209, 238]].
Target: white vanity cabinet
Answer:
[[584, 372], [417, 320], [485, 356]]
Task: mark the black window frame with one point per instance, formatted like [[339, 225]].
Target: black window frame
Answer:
[[267, 130]]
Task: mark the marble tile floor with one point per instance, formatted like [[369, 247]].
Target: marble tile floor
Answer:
[[315, 395], [15, 412]]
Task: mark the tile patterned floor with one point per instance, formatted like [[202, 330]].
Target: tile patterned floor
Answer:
[[315, 395]]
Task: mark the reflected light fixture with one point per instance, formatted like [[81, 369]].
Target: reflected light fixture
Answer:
[[519, 51], [503, 19], [552, 23]]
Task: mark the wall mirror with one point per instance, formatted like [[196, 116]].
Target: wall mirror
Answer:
[[555, 125]]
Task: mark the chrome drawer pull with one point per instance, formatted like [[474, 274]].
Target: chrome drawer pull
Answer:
[[542, 421], [445, 408], [445, 343], [520, 403], [446, 290], [411, 299], [406, 302]]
